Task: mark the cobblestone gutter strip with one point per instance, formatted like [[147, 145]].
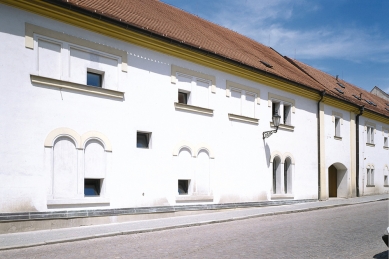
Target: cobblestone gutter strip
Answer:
[[200, 223], [69, 214]]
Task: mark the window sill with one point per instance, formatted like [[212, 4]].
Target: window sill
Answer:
[[370, 185], [242, 118], [283, 126], [387, 148], [282, 196], [75, 87], [186, 107], [370, 145], [337, 138], [80, 201], [194, 198]]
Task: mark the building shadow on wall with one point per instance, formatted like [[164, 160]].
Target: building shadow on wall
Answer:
[[267, 153]]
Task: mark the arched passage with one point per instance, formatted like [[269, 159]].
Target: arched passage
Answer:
[[337, 180]]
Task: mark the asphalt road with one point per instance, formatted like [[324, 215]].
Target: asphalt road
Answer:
[[344, 232]]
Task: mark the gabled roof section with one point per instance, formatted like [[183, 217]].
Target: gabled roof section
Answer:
[[170, 22], [351, 93]]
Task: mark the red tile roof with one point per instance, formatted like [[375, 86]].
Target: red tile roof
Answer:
[[176, 24]]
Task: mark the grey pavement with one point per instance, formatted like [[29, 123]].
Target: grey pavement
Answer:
[[45, 237]]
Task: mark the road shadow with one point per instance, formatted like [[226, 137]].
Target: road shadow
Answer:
[[383, 254]]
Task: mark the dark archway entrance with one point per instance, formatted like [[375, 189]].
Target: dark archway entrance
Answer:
[[332, 181]]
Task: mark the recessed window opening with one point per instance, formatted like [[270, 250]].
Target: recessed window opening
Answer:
[[386, 142], [183, 187], [370, 134], [92, 187], [287, 112], [385, 180], [143, 139], [340, 91], [275, 108], [183, 97], [94, 79], [337, 127], [359, 98]]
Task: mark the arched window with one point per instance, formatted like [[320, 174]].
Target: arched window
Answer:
[[276, 175], [95, 167], [288, 175], [185, 171], [65, 168]]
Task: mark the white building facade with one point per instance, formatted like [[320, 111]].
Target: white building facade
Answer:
[[90, 121]]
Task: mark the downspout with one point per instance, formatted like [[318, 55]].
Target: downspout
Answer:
[[318, 143], [361, 109]]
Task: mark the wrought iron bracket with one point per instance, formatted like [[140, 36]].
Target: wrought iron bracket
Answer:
[[267, 134]]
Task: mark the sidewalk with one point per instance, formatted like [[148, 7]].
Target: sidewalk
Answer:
[[43, 237]]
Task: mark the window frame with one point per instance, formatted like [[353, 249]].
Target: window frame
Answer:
[[99, 75], [282, 101]]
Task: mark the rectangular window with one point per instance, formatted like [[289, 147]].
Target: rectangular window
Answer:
[[275, 108], [371, 176], [183, 187], [236, 101], [143, 139], [93, 79], [386, 142], [183, 97], [337, 127], [287, 116], [368, 177], [385, 180], [370, 134], [92, 187]]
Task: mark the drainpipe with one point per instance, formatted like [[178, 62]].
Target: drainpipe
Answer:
[[318, 142], [361, 109]]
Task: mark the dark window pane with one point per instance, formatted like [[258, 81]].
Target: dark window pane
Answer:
[[182, 98], [93, 79], [91, 187], [142, 140], [183, 186]]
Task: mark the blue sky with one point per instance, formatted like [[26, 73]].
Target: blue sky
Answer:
[[349, 38]]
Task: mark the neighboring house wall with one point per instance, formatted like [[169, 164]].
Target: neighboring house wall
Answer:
[[377, 91], [374, 157], [59, 133]]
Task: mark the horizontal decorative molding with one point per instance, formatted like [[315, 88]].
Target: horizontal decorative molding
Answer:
[[51, 82], [283, 126], [88, 200], [192, 198], [31, 29], [337, 138], [370, 145], [177, 69], [186, 107], [242, 118]]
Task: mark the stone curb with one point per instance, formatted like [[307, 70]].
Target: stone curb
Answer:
[[147, 230]]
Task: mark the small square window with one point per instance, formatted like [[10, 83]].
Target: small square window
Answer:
[[93, 79], [183, 97], [143, 139], [92, 187], [183, 187]]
